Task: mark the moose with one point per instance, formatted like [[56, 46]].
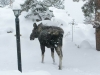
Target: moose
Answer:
[[50, 37]]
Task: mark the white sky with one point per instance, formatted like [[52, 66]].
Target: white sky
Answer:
[[74, 9]]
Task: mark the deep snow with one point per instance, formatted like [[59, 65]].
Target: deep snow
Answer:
[[79, 56]]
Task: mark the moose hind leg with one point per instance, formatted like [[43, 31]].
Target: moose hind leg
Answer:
[[52, 55], [59, 52]]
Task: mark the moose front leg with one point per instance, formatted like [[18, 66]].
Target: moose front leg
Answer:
[[52, 55], [42, 52]]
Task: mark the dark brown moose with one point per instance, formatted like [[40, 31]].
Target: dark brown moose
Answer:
[[50, 37]]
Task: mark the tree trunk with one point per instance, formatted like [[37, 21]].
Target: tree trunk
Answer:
[[97, 18]]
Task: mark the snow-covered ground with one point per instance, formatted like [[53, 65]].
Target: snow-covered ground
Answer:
[[79, 57]]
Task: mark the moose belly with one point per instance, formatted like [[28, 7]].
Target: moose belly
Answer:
[[49, 43]]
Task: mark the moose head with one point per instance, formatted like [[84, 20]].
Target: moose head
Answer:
[[35, 31]]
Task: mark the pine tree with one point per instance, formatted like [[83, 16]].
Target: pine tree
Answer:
[[39, 10], [54, 3], [78, 0], [89, 11], [5, 2]]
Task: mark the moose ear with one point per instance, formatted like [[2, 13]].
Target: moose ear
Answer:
[[35, 25]]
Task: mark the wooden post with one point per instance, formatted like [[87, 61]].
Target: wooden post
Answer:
[[97, 18]]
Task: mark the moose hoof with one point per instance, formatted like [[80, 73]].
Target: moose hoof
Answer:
[[60, 68], [54, 63], [42, 62]]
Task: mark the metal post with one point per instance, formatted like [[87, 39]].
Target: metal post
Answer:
[[72, 29], [18, 44], [72, 32]]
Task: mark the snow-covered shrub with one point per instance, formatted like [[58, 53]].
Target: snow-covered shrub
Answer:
[[39, 10], [9, 30], [85, 44]]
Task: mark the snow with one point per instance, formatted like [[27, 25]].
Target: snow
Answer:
[[98, 10], [79, 57], [31, 73], [9, 29], [75, 7], [85, 44], [16, 4], [38, 6]]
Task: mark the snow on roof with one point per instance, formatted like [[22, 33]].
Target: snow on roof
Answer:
[[16, 4], [38, 6], [1, 5]]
